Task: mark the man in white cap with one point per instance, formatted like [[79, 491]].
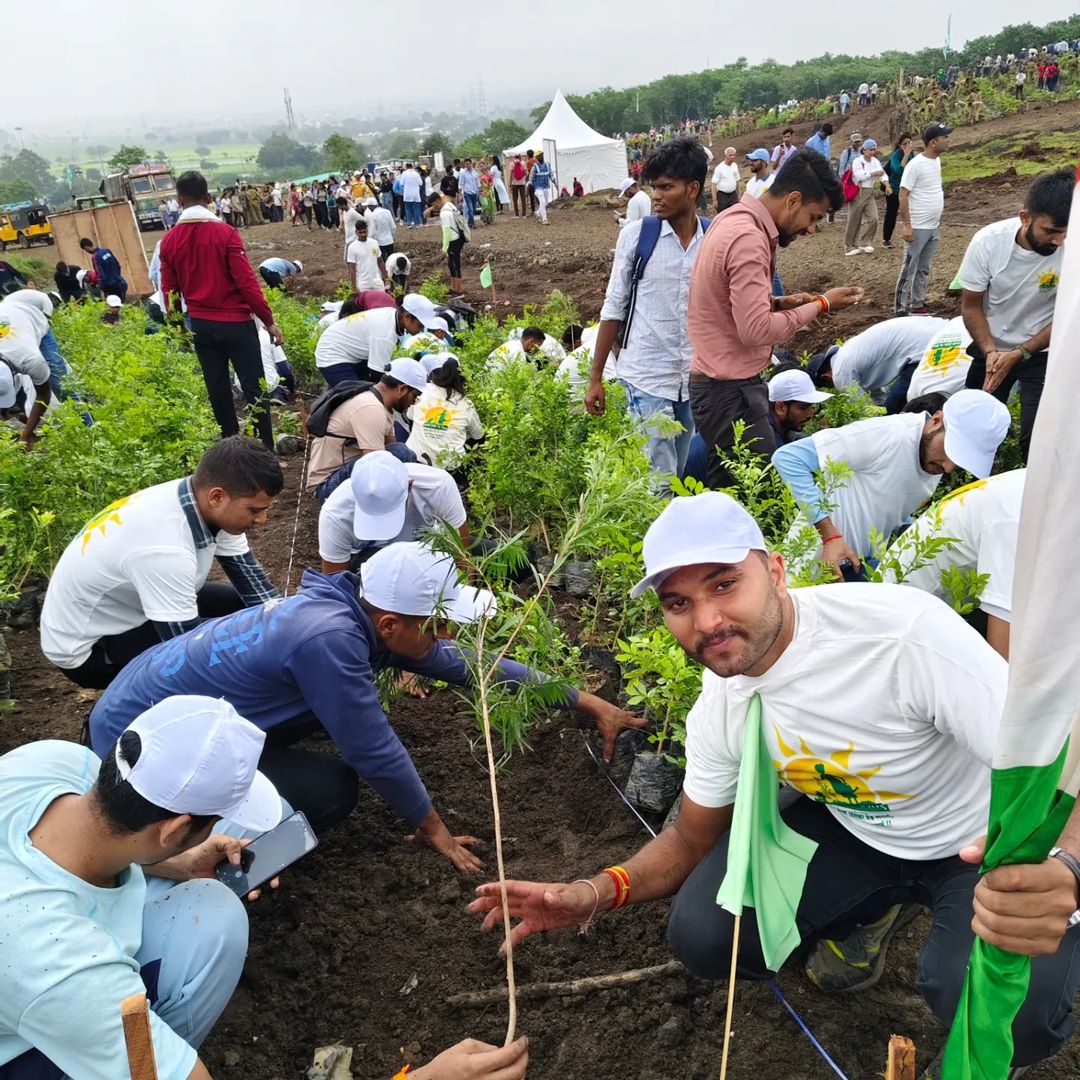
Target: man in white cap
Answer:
[[360, 420], [431, 340], [880, 707], [638, 203], [793, 401], [895, 464], [977, 526], [24, 329], [360, 346], [309, 662], [108, 888], [275, 270], [386, 501]]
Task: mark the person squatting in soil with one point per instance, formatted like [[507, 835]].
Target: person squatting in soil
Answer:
[[834, 666]]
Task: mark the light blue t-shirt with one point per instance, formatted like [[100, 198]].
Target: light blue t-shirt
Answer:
[[279, 266], [67, 948]]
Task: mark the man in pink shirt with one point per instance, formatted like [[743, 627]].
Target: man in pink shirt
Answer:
[[733, 319]]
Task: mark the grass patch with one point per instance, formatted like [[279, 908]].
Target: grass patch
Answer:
[[1028, 152], [34, 267]]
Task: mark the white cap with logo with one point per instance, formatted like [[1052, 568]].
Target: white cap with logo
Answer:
[[411, 579], [695, 529], [975, 425], [795, 385], [199, 756], [420, 308]]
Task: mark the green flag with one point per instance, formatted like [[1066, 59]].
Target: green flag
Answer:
[[767, 860], [485, 276]]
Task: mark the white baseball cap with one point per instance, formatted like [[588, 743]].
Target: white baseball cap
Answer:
[[408, 371], [694, 529], [114, 301], [380, 486], [975, 425], [411, 579], [371, 202], [299, 264], [439, 323], [626, 185], [432, 361], [329, 306], [7, 386], [420, 308], [795, 385], [199, 756]]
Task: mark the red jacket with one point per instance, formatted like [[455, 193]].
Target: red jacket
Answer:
[[205, 262]]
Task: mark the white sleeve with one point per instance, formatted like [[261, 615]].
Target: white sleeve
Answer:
[[975, 273], [380, 352], [910, 177], [23, 355], [948, 676], [165, 579], [712, 772], [231, 544], [474, 427], [997, 557], [447, 503], [336, 539], [622, 265]]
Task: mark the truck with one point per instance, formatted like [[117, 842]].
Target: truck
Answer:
[[144, 186], [24, 223]]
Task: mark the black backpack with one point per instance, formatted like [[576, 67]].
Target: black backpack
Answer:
[[322, 408]]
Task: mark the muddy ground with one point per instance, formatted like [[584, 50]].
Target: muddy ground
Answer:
[[354, 922]]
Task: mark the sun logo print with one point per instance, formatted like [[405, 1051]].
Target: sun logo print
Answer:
[[99, 522], [1048, 281], [5, 329], [439, 417], [962, 492], [829, 780], [943, 356]]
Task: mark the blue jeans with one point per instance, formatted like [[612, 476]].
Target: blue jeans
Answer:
[[896, 398], [194, 941], [337, 373], [387, 201], [471, 202], [413, 214], [666, 453]]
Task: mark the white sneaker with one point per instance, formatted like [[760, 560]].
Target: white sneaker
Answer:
[[854, 251], [869, 249]]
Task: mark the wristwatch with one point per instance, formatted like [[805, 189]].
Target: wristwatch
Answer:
[[1025, 354], [1074, 865]]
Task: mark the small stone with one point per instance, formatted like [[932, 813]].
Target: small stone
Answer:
[[672, 1032], [450, 891], [231, 1058]]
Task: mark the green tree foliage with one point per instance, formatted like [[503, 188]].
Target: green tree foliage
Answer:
[[127, 156], [402, 144], [438, 142], [342, 153], [16, 191], [494, 139], [281, 154], [29, 167], [203, 151]]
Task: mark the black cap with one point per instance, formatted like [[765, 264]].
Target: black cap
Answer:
[[935, 131]]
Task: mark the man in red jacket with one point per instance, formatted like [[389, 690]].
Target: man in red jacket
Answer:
[[204, 260]]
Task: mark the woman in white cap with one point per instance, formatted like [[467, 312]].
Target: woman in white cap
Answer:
[[866, 170], [444, 420]]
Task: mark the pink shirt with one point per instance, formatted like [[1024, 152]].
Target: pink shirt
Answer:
[[732, 325]]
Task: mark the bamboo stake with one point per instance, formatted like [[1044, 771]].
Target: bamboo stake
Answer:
[[570, 988], [901, 1064], [730, 997], [135, 1017]]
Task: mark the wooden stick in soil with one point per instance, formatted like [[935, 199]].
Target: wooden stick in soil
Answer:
[[901, 1064], [730, 997], [570, 988], [511, 989], [135, 1016]]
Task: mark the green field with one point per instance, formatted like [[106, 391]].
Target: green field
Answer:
[[1028, 152]]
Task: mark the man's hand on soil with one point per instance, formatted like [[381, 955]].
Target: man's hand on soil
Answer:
[[539, 905], [410, 683], [610, 720], [473, 1060], [433, 832]]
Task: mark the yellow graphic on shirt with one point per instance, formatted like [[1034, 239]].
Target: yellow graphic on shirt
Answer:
[[100, 521], [5, 329], [1048, 281], [944, 355], [439, 417], [962, 492], [830, 781]]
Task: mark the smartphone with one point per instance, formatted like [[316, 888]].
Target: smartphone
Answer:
[[848, 571], [267, 855]]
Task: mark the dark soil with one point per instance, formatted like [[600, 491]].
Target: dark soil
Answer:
[[357, 919]]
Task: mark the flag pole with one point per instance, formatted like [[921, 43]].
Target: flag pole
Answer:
[[730, 997]]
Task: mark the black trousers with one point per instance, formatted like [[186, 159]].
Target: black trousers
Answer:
[[271, 277], [453, 256], [849, 884], [216, 345], [716, 405], [892, 210], [724, 199], [320, 784], [1030, 374], [110, 655]]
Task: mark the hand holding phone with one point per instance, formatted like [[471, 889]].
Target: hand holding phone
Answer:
[[267, 855]]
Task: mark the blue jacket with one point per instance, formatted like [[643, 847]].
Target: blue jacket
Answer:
[[316, 651], [107, 266]]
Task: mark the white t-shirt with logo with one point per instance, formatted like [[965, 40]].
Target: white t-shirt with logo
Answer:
[[756, 185], [23, 323], [1020, 286], [364, 256], [133, 562], [885, 707], [68, 948], [926, 196], [433, 497], [887, 484], [366, 336], [875, 357], [945, 362], [442, 423], [984, 519]]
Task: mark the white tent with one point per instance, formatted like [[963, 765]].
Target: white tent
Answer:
[[597, 161]]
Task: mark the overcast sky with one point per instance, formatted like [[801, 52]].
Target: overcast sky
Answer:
[[91, 65]]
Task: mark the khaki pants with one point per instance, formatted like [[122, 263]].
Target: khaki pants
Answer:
[[862, 219]]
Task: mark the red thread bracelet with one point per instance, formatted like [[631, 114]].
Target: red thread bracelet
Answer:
[[830, 539]]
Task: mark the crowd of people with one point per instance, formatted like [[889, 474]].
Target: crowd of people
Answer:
[[208, 687]]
